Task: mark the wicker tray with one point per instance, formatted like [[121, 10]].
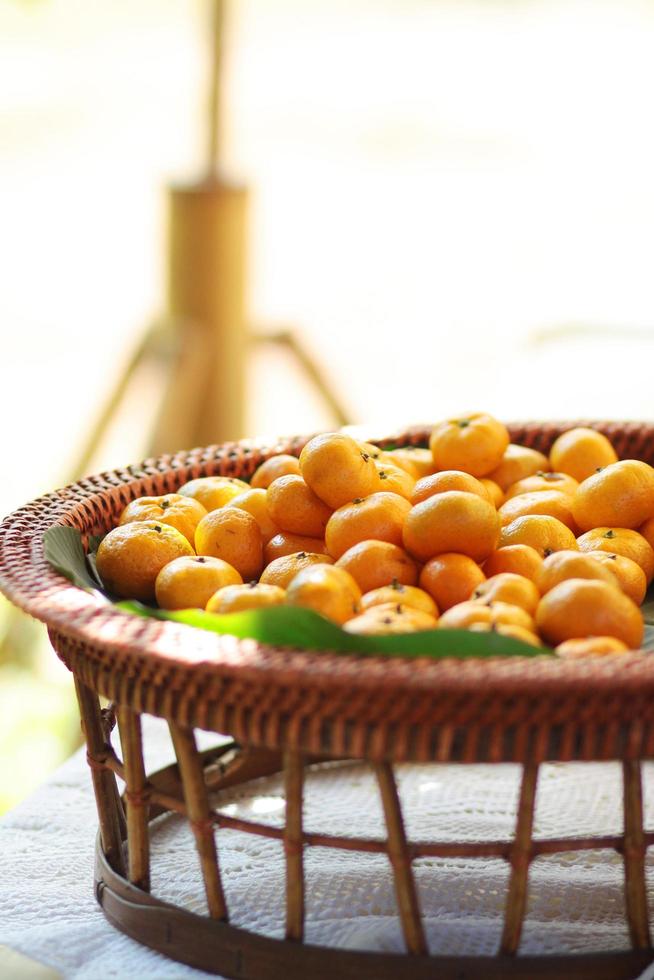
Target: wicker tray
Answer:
[[288, 709]]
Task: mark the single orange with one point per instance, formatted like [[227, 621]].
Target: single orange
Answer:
[[380, 516], [551, 502], [285, 543], [337, 469], [473, 443], [255, 502], [131, 556], [590, 646], [543, 533], [190, 581], [580, 452], [390, 618], [464, 615], [452, 521], [543, 481], [631, 577], [407, 595], [446, 480], [240, 598], [271, 469], [450, 578], [182, 513], [519, 558], [508, 587], [621, 494], [563, 565], [328, 590], [586, 607], [281, 570], [517, 463], [213, 491], [394, 479], [294, 507], [234, 536], [376, 563], [418, 462], [620, 541], [494, 490]]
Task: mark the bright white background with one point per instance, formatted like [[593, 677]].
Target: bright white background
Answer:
[[452, 204]]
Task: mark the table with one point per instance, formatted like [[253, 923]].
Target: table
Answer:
[[48, 911]]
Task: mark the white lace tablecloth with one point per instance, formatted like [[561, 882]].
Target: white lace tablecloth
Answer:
[[48, 912]]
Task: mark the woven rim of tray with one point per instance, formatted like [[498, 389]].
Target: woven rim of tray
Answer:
[[234, 685]]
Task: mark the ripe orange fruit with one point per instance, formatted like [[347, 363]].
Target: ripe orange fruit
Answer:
[[418, 462], [213, 491], [390, 618], [585, 607], [285, 543], [495, 491], [620, 541], [380, 517], [255, 502], [620, 494], [466, 614], [473, 443], [450, 578], [509, 629], [234, 536], [239, 598], [517, 463], [590, 646], [508, 587], [328, 590], [519, 558], [281, 570], [407, 595], [543, 481], [563, 565], [182, 513], [190, 581], [373, 564], [551, 502], [394, 479], [543, 533], [131, 556], [631, 578], [446, 480], [271, 469], [580, 452], [294, 507], [452, 521], [337, 469]]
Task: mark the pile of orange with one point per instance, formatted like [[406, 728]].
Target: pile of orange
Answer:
[[472, 533]]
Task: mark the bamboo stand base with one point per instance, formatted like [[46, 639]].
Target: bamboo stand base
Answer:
[[217, 947]]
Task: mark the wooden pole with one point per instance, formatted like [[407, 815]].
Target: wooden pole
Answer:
[[400, 858], [199, 816], [137, 803]]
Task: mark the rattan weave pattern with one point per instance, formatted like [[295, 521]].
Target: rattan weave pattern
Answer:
[[376, 708]]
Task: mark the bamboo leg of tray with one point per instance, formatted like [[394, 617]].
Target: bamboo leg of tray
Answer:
[[520, 858], [138, 837], [634, 856], [400, 858], [104, 782], [199, 816], [293, 781]]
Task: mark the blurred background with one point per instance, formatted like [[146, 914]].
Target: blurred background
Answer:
[[445, 205]]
